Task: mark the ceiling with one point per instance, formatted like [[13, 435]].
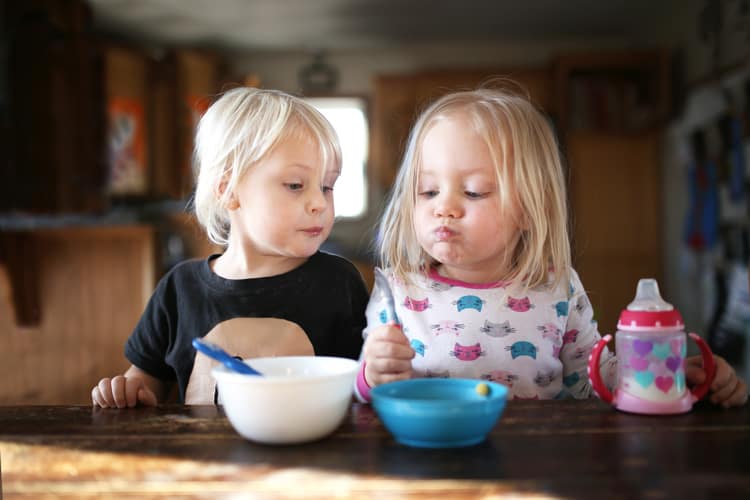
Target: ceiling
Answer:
[[255, 25]]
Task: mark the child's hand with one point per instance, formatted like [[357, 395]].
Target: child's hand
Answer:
[[122, 392], [727, 388], [387, 355]]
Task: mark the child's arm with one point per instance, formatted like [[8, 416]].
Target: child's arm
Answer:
[[580, 336], [727, 388], [134, 387], [387, 355]]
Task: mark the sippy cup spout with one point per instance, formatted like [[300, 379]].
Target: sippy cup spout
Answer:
[[648, 298]]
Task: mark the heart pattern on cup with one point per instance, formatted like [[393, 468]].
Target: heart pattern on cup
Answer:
[[674, 363], [661, 351], [664, 383], [642, 347], [644, 379], [676, 345], [638, 364]]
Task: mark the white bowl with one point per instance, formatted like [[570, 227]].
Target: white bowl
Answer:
[[298, 398]]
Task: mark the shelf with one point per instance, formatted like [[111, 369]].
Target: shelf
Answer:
[[22, 251], [621, 92], [120, 214]]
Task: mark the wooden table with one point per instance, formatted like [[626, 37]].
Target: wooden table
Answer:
[[539, 449]]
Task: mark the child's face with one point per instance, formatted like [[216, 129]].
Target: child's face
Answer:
[[460, 219], [284, 203]]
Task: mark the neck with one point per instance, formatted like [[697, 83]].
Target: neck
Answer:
[[471, 276], [240, 262]]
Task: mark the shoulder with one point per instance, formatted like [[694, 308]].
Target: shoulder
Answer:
[[414, 283], [323, 261], [189, 266], [554, 291], [576, 285], [185, 275], [187, 269]]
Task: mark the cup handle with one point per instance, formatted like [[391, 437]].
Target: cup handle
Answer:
[[709, 365], [595, 376]]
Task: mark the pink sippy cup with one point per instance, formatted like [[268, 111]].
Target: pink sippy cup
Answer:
[[651, 346]]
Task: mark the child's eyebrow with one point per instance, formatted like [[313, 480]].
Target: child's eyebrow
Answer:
[[477, 170], [303, 166]]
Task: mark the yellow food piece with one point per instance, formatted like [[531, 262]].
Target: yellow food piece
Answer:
[[482, 389]]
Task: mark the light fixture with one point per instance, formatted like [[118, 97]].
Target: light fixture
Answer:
[[318, 76]]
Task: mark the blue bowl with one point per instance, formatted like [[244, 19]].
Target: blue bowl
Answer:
[[439, 412]]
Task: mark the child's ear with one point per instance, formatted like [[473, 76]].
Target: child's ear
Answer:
[[231, 203]]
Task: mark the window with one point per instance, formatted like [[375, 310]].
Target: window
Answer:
[[347, 115]]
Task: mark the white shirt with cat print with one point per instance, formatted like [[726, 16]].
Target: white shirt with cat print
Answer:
[[537, 344]]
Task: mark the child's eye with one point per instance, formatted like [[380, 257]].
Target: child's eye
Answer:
[[428, 193], [327, 189], [294, 186], [474, 194]]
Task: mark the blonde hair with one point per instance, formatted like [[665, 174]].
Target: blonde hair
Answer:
[[526, 156], [240, 129]]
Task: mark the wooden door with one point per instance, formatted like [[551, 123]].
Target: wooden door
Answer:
[[616, 216]]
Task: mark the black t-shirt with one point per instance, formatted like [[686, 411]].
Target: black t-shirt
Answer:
[[326, 297]]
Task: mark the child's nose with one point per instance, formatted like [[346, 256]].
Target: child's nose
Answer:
[[317, 201], [448, 205]]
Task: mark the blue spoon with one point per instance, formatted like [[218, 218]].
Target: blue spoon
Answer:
[[214, 351]]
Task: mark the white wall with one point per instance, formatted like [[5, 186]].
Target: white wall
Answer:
[[358, 67]]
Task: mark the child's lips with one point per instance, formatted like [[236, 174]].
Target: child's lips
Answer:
[[313, 231], [444, 233]]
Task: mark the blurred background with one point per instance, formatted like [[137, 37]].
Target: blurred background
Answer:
[[99, 100]]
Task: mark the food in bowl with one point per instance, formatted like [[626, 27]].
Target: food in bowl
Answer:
[[439, 412], [297, 398]]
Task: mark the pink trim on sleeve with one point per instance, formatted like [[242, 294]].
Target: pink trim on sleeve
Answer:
[[363, 388]]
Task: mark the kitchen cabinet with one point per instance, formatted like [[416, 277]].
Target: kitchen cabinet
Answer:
[[91, 285], [52, 125]]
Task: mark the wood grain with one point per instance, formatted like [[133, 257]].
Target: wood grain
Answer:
[[93, 286], [539, 449]]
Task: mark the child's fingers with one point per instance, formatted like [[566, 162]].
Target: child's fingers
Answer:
[[387, 342], [694, 372], [146, 396], [722, 392], [740, 395], [392, 333], [119, 391], [381, 370], [727, 389], [393, 377], [133, 386], [732, 394], [103, 393], [96, 398], [389, 365], [384, 349]]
